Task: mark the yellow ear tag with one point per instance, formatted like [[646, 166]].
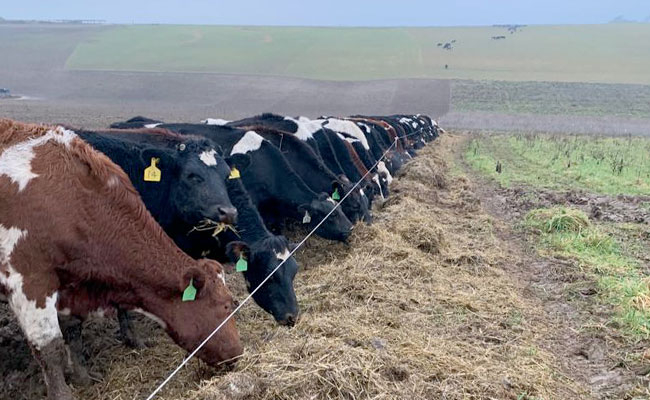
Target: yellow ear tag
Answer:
[[152, 173], [234, 173]]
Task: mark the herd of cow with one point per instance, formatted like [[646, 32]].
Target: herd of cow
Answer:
[[132, 218]]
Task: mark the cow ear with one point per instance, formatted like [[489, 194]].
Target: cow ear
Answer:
[[235, 250], [241, 161], [343, 178], [193, 277], [323, 196]]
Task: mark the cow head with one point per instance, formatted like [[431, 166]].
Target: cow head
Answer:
[[355, 206], [336, 227], [190, 321], [200, 190], [276, 296]]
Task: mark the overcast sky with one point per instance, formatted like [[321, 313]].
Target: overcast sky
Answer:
[[331, 12]]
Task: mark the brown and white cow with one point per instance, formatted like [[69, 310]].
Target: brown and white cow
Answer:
[[75, 237]]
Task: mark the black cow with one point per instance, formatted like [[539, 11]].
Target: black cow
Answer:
[[275, 188], [191, 185], [262, 251]]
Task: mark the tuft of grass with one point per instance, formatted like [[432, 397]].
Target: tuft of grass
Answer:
[[558, 219], [563, 162], [567, 232]]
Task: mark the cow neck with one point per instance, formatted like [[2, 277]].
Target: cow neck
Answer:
[[309, 163], [291, 188], [250, 226], [134, 248]]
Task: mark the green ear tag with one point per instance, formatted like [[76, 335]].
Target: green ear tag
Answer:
[[242, 265], [336, 196], [190, 292]]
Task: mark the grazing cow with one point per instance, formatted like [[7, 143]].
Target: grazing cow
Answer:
[[315, 174], [194, 160], [275, 188], [75, 237], [192, 182]]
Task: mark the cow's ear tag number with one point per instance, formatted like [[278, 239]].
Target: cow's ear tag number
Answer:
[[336, 196], [307, 218], [189, 294], [152, 173], [242, 264], [234, 173]]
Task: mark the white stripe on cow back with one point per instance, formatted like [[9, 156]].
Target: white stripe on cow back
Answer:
[[208, 157], [347, 138], [215, 121], [40, 325], [306, 127], [16, 161], [381, 168], [251, 141], [152, 125], [350, 128]]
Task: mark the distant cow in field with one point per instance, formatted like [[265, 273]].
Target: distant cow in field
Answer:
[[498, 37], [447, 46], [75, 237]]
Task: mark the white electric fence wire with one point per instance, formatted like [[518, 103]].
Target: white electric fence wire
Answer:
[[241, 304]]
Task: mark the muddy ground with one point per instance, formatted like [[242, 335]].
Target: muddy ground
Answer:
[[442, 297]]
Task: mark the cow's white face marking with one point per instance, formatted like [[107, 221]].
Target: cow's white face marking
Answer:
[[151, 317], [362, 192], [208, 157], [153, 125], [306, 127], [215, 121], [40, 325], [348, 127], [251, 141], [375, 178], [381, 167], [284, 255], [331, 200], [16, 161]]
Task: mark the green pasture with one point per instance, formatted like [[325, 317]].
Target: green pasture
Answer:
[[614, 53]]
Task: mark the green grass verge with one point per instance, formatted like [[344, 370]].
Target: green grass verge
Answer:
[[601, 165], [567, 232], [613, 53]]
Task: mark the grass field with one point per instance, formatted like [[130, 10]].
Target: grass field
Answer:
[[610, 253], [552, 98], [600, 165], [616, 53]]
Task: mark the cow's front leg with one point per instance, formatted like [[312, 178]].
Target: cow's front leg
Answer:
[[39, 322], [128, 336], [52, 358], [71, 327]]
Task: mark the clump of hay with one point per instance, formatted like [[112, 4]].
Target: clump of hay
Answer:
[[558, 219]]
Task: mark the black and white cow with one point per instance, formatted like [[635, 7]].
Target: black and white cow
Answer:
[[137, 122], [310, 167]]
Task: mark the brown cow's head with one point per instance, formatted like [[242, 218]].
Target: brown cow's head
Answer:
[[190, 322]]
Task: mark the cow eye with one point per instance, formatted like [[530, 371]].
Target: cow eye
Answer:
[[194, 178]]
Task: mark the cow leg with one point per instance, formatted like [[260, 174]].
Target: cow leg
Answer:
[[42, 331], [71, 327], [128, 336], [53, 358]]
